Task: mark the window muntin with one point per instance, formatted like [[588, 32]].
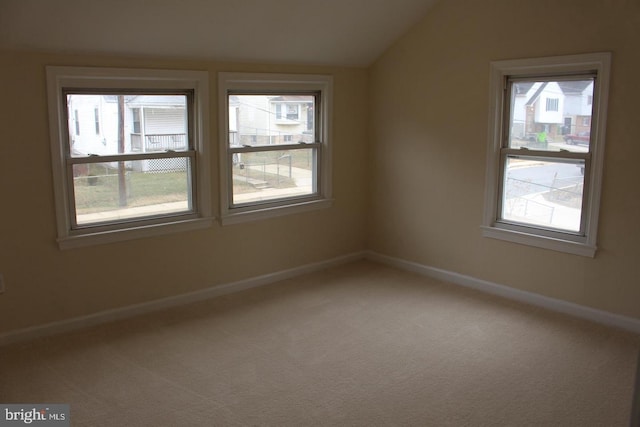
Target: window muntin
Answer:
[[146, 173], [275, 153], [544, 167]]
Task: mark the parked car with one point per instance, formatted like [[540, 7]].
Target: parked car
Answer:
[[575, 138]]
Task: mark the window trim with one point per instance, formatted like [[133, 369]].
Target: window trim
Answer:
[[59, 80], [277, 84], [549, 67]]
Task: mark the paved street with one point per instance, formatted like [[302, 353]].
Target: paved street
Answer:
[[546, 194]]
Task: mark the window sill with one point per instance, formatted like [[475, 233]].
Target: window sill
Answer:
[[559, 245], [137, 232], [272, 212]]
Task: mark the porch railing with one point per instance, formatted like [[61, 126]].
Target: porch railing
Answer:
[[158, 142]]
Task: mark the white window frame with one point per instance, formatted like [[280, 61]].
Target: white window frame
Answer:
[[260, 83], [60, 79], [579, 244]]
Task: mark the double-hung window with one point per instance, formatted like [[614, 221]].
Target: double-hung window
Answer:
[[145, 170], [274, 144], [545, 157]]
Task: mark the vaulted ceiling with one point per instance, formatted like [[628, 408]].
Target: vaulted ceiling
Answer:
[[326, 32]]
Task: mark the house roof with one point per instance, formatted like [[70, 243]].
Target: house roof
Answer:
[[521, 88], [574, 86], [327, 32], [533, 98], [567, 87]]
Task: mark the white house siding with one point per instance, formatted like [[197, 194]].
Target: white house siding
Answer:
[[519, 116], [578, 109], [161, 119], [254, 119], [164, 121], [257, 122], [87, 141], [551, 91], [164, 129]]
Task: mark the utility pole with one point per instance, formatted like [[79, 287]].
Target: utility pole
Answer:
[[122, 183]]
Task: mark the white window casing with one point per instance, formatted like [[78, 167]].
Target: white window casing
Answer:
[[64, 80], [273, 85], [580, 242]]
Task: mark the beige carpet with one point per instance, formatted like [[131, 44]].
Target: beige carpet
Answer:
[[358, 345]]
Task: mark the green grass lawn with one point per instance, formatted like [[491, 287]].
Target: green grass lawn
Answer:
[[142, 189], [98, 189]]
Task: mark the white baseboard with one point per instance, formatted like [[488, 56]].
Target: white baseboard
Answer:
[[173, 301], [627, 323], [603, 317]]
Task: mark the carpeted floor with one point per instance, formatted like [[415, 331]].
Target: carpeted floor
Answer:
[[358, 345]]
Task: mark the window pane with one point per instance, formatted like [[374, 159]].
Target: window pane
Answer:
[[141, 188], [271, 175], [107, 124], [551, 115], [271, 119], [543, 193]]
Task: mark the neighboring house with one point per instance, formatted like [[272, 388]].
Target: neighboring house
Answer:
[[556, 108], [537, 108], [578, 106], [152, 123], [266, 120]]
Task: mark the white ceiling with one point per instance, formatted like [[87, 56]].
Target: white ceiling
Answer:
[[328, 32]]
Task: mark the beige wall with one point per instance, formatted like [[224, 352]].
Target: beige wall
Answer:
[[45, 284], [425, 138], [429, 115]]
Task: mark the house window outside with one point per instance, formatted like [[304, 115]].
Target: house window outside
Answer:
[[96, 116], [76, 120], [542, 190], [128, 183], [135, 113], [288, 112], [264, 172], [292, 112]]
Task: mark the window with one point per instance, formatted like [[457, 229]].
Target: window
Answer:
[[543, 183], [263, 173], [130, 181]]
